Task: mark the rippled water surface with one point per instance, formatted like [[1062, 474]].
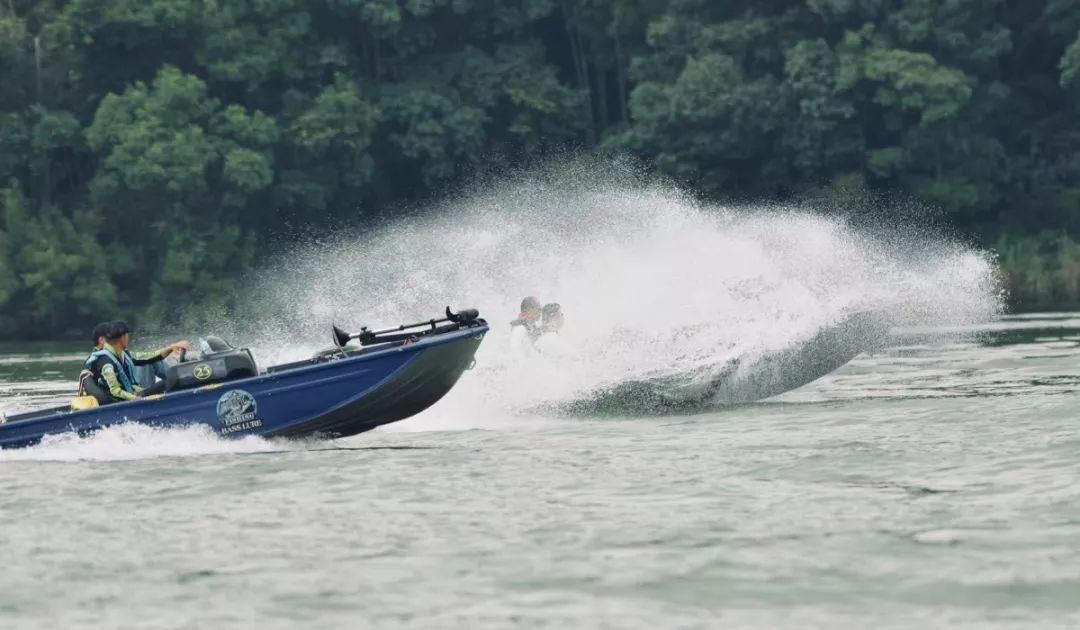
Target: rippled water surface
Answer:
[[936, 484]]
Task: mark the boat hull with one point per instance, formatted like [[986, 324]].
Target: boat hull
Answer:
[[334, 398]]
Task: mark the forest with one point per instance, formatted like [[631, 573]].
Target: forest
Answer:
[[150, 148]]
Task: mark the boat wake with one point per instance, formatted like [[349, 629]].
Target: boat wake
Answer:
[[670, 304], [741, 378], [136, 441]]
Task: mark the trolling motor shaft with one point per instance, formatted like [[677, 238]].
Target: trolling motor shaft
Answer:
[[464, 317]]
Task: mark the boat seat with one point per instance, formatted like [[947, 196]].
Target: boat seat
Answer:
[[81, 403]]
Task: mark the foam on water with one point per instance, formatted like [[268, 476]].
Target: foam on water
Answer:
[[653, 283], [136, 441]]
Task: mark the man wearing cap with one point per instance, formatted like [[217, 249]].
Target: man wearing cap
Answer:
[[113, 366]]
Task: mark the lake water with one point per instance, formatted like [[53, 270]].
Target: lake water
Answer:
[[934, 484]]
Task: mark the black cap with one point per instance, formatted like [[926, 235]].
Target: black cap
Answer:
[[100, 330], [117, 330]]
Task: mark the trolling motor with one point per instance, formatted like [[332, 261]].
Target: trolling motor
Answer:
[[461, 319]]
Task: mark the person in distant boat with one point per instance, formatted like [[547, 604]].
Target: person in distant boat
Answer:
[[539, 322], [552, 318], [529, 317], [113, 366]]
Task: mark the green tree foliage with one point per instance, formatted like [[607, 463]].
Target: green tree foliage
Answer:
[[776, 98], [179, 170], [173, 146], [147, 148], [54, 271]]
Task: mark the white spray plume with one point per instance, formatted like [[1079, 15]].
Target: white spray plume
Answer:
[[652, 282]]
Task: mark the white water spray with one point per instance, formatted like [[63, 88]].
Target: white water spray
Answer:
[[653, 284]]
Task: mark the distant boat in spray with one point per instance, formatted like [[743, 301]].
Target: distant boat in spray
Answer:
[[741, 380]]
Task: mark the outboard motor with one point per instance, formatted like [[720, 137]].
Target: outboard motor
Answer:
[[211, 344], [220, 362]]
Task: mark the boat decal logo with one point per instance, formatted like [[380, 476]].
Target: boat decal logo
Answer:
[[237, 409], [202, 372]]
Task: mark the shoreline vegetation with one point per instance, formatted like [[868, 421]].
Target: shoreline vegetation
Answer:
[[1041, 272], [151, 151]]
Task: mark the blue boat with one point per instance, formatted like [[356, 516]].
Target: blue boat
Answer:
[[393, 374]]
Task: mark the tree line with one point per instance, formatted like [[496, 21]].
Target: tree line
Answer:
[[147, 147]]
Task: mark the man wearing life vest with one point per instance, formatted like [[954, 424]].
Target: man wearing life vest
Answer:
[[539, 320], [113, 366], [529, 317]]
